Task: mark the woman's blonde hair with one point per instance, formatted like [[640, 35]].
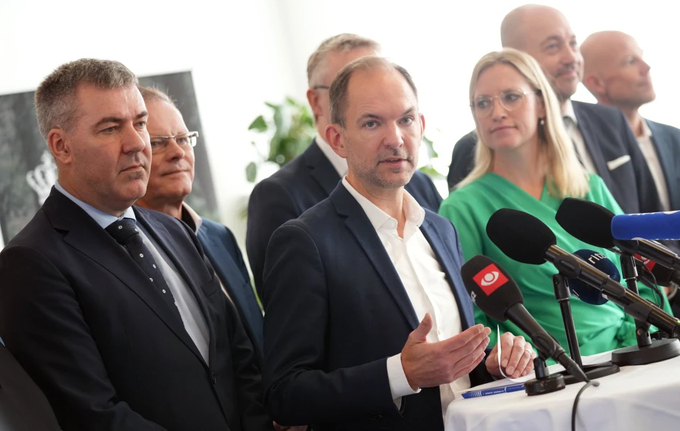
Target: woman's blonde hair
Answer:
[[565, 175]]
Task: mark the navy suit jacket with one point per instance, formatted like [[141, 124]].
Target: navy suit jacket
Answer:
[[335, 310], [666, 140], [304, 182], [221, 248], [608, 137], [108, 352]]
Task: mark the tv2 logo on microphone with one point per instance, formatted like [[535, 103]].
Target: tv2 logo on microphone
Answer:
[[489, 279]]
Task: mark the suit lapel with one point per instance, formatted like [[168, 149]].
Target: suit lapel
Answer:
[[668, 162], [357, 222], [161, 236], [320, 168], [590, 141], [446, 261]]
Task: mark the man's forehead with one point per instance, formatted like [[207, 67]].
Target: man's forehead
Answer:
[[369, 90], [123, 101], [542, 27]]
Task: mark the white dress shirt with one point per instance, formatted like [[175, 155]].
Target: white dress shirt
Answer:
[[338, 162], [192, 317], [425, 284], [652, 158], [571, 124]]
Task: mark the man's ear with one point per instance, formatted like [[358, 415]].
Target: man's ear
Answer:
[[59, 145], [336, 140], [595, 85], [422, 124], [313, 99]]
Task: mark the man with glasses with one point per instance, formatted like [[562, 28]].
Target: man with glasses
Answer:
[[312, 176], [601, 135], [114, 310], [170, 182]]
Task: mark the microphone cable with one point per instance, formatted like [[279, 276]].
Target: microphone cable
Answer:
[[589, 383]]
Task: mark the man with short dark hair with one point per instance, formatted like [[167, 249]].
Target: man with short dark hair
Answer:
[[112, 309], [601, 135], [170, 182], [616, 75], [311, 177], [347, 283]]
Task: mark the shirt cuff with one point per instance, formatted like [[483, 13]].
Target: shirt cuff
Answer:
[[399, 386]]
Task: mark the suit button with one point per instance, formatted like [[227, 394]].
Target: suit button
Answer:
[[213, 378]]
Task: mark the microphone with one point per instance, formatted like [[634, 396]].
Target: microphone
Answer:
[[505, 228], [654, 226], [585, 292], [662, 275], [592, 223], [495, 293]]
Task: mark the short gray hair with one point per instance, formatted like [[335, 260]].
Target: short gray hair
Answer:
[[55, 98], [338, 93], [152, 93], [340, 43]]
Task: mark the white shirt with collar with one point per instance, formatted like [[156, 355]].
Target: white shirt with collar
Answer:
[[192, 317], [338, 162], [425, 284], [652, 158], [571, 125]]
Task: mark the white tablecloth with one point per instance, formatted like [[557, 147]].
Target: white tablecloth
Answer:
[[638, 398]]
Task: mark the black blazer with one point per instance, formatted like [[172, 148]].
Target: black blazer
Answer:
[[666, 140], [335, 310], [220, 246], [23, 407], [81, 318], [304, 182], [608, 138]]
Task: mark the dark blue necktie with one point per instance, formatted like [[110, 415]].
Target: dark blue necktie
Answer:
[[126, 233]]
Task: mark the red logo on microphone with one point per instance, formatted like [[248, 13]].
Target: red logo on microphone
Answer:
[[490, 278], [648, 263]]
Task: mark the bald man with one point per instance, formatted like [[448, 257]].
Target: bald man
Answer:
[[601, 135], [616, 75]]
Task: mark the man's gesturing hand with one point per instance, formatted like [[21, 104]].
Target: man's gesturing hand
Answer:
[[433, 364]]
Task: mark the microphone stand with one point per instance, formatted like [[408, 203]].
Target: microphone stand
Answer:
[[543, 383], [646, 351], [594, 371]]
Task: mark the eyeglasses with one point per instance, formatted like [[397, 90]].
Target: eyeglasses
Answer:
[[184, 140], [510, 100], [321, 87]]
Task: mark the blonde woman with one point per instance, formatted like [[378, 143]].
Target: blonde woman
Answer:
[[526, 161]]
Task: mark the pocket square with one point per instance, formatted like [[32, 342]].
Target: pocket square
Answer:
[[613, 164]]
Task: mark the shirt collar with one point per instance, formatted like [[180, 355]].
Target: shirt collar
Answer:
[[103, 219], [569, 112], [413, 212], [646, 131], [198, 221], [338, 162]]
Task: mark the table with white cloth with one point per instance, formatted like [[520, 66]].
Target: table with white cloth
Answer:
[[642, 397]]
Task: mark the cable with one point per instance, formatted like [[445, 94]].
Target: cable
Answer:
[[573, 410], [654, 286]]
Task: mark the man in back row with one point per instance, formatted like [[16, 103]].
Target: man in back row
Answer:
[[616, 75], [601, 135], [312, 176]]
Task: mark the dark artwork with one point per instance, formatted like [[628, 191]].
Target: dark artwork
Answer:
[[27, 170]]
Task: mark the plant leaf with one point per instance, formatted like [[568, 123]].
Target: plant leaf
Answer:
[[251, 172], [258, 124]]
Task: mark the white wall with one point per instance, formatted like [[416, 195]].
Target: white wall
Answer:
[[245, 52]]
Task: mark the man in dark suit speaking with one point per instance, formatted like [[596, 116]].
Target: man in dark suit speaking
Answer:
[[311, 177], [601, 135], [347, 283], [113, 310]]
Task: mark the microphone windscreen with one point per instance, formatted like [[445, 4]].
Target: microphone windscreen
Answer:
[[586, 221], [662, 275], [521, 236], [650, 226], [490, 287], [586, 292]]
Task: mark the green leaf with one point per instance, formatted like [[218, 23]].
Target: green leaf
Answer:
[[258, 124], [251, 172]]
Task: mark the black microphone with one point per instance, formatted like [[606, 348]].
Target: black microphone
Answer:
[[661, 275], [497, 295], [507, 227], [585, 292], [592, 223]]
